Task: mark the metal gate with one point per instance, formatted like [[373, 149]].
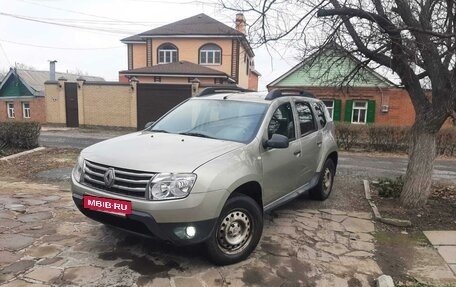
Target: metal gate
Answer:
[[71, 104], [154, 100]]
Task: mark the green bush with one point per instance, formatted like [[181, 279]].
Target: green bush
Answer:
[[23, 135], [349, 136], [387, 138], [389, 187], [446, 142]]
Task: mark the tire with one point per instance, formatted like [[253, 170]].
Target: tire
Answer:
[[245, 220], [325, 182]]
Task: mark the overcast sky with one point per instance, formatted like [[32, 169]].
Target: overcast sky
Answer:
[[85, 35]]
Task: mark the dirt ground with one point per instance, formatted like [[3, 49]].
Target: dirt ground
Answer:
[[397, 246], [27, 167], [439, 212]]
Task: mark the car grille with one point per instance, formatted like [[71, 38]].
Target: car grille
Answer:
[[126, 182]]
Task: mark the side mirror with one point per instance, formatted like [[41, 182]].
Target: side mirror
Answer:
[[148, 125], [276, 141]]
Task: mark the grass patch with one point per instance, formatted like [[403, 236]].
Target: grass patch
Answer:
[[394, 238], [389, 187]]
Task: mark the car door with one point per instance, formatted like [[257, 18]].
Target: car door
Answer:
[[310, 139], [280, 165]]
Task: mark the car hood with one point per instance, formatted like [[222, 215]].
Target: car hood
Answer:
[[157, 152]]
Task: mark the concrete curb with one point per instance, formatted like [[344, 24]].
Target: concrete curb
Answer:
[[377, 215], [385, 281], [6, 158]]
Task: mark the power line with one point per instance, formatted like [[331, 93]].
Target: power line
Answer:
[[75, 12], [116, 21], [59, 48], [67, 25]]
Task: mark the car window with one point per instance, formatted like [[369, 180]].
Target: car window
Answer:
[[320, 109], [306, 118], [282, 122]]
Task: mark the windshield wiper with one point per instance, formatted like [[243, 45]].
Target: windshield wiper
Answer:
[[194, 134], [160, 131]]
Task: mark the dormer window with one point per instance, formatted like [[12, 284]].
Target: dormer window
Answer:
[[167, 53], [210, 54]]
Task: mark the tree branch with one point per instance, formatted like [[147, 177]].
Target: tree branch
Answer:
[[399, 62]]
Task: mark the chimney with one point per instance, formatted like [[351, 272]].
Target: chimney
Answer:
[[52, 70], [240, 23]]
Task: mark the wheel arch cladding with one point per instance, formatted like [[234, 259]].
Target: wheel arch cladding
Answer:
[[334, 157], [251, 189]]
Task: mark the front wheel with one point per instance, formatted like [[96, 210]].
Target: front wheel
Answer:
[[237, 232], [325, 182]]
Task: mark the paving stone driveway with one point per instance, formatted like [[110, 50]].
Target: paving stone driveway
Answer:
[[45, 241]]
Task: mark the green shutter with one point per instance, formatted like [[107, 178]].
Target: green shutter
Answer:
[[336, 110], [348, 110], [370, 112]]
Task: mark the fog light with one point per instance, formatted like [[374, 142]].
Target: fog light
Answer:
[[190, 231]]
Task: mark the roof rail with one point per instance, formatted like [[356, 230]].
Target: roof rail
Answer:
[[277, 93], [221, 89]]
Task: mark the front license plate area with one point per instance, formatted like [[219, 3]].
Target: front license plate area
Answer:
[[108, 205]]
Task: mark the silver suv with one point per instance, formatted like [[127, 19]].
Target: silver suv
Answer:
[[208, 170]]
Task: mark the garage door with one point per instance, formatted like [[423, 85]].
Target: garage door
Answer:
[[154, 100]]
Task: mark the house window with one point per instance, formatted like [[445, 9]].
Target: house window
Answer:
[[26, 110], [157, 79], [210, 55], [359, 113], [10, 110], [330, 107], [218, 81], [167, 53]]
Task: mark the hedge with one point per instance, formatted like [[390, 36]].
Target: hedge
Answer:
[[389, 138], [23, 135]]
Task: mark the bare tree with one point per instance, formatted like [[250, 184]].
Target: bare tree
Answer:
[[415, 39], [23, 66]]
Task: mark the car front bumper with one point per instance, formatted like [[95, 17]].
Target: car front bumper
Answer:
[[144, 224]]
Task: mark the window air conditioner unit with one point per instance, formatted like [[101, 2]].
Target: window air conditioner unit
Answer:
[[385, 108]]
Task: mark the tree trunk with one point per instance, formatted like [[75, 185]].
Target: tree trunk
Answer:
[[418, 178]]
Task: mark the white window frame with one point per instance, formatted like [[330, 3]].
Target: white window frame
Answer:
[[10, 110], [168, 55], [26, 110], [212, 53], [331, 108], [359, 108]]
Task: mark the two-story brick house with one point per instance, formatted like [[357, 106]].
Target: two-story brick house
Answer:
[[196, 49]]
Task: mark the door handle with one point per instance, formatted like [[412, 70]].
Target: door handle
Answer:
[[298, 152]]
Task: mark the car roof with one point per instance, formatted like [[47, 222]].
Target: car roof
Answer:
[[258, 97]]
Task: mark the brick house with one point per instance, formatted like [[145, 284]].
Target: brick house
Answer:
[[22, 94], [198, 49], [368, 98]]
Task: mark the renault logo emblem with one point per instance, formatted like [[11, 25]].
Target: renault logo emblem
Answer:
[[109, 177]]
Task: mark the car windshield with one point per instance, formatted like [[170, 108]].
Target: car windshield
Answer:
[[219, 119]]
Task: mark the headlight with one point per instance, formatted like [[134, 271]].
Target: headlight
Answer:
[[165, 186], [78, 169]]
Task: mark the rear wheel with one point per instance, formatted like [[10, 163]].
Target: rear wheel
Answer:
[[325, 183], [237, 232]]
